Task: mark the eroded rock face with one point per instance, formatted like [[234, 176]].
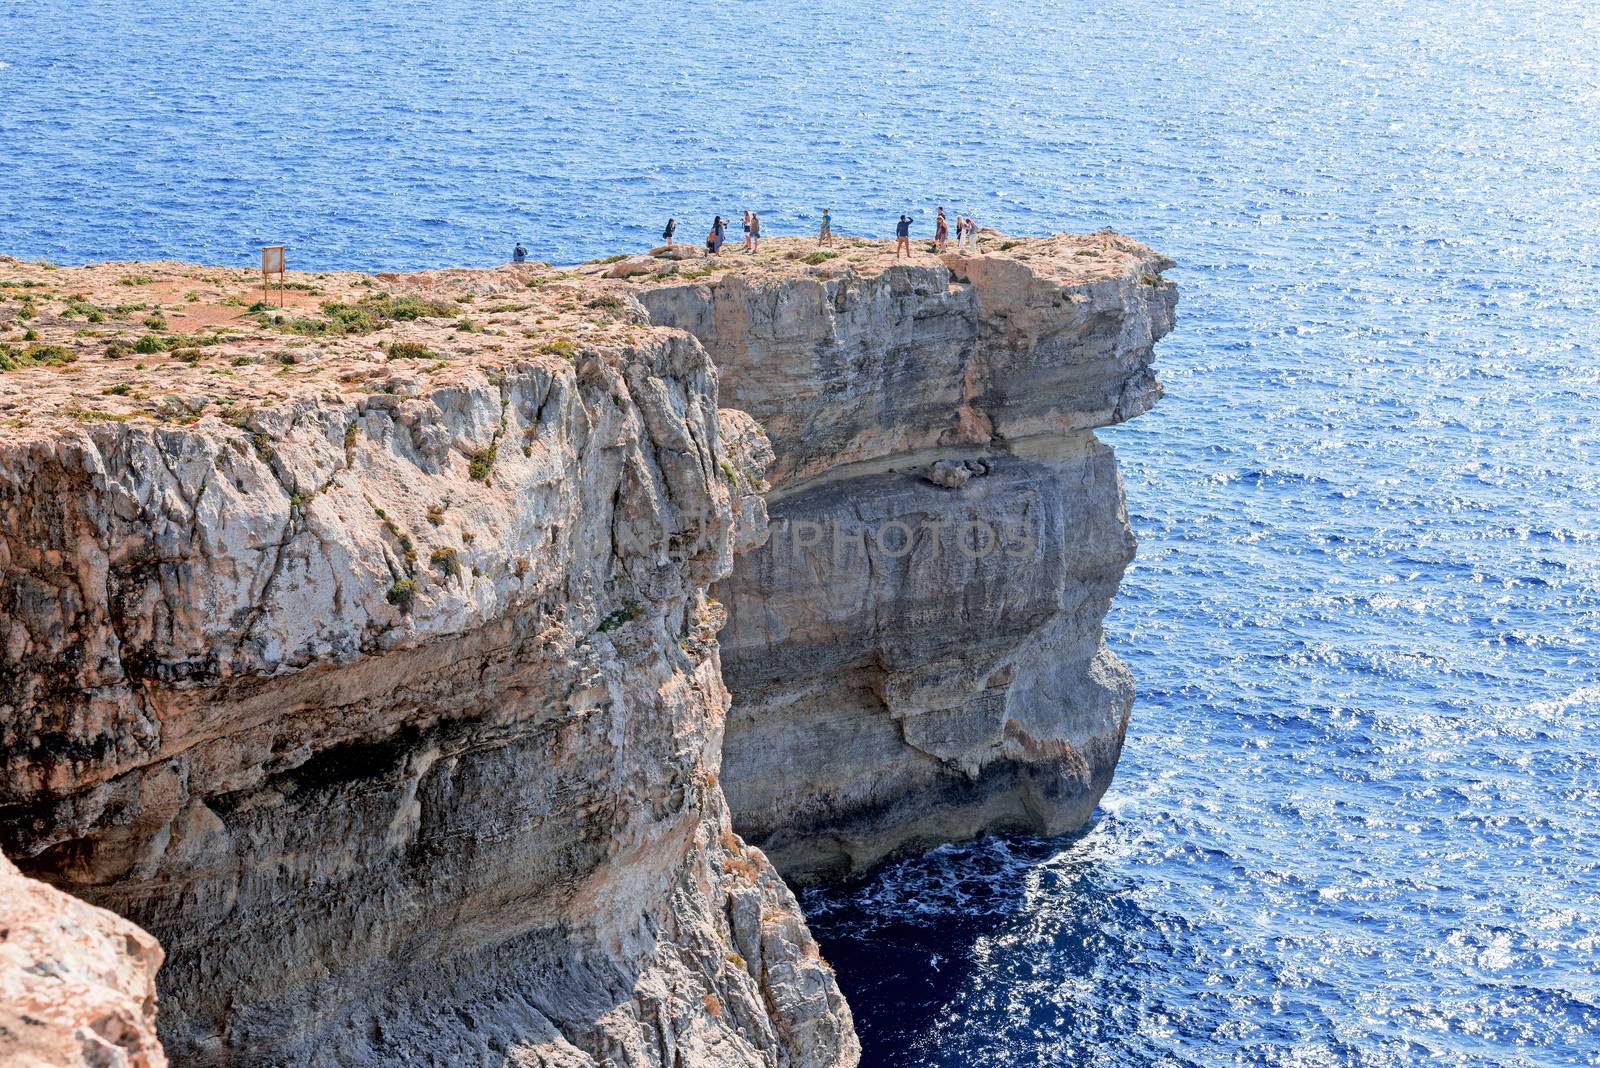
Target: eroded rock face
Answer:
[[916, 653], [77, 983], [367, 659], [398, 721]]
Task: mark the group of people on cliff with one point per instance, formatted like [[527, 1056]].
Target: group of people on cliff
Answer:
[[966, 234]]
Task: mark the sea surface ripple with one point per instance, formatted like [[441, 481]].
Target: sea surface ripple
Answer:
[[1356, 819]]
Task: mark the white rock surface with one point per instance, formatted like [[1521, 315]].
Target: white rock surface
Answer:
[[894, 685]]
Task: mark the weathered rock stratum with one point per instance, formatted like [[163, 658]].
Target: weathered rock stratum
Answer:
[[364, 651]]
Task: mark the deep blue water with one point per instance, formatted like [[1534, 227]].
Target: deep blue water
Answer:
[[1357, 821]]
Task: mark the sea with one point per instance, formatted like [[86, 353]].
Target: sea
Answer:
[[1357, 819]]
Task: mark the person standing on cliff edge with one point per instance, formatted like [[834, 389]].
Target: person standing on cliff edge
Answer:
[[825, 235], [519, 254], [755, 232], [902, 236], [941, 230], [671, 228]]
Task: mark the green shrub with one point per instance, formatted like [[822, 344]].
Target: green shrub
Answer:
[[13, 358], [370, 313], [819, 256], [410, 350], [626, 614], [483, 462], [446, 560], [149, 345], [402, 594], [563, 347]]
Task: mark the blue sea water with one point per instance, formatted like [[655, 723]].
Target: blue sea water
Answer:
[[1357, 821]]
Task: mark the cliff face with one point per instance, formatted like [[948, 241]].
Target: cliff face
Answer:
[[366, 653], [392, 706], [916, 653]]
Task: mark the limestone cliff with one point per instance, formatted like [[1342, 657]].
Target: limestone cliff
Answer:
[[916, 654], [372, 671], [365, 651]]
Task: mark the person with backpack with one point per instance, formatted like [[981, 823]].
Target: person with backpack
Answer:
[[666, 234]]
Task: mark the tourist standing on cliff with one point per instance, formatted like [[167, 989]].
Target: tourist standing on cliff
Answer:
[[902, 236], [825, 235], [519, 254], [719, 230], [972, 235], [941, 230], [755, 232], [671, 228], [745, 225]]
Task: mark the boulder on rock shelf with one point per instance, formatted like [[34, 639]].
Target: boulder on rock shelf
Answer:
[[77, 983]]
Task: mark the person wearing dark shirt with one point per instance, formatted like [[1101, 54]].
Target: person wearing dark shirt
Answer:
[[941, 230], [902, 237], [666, 235], [519, 254]]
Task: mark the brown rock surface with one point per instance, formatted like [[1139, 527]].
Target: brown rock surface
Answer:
[[77, 983]]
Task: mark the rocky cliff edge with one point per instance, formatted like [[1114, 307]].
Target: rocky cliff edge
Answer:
[[364, 649]]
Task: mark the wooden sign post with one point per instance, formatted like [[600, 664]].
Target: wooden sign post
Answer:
[[272, 262]]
